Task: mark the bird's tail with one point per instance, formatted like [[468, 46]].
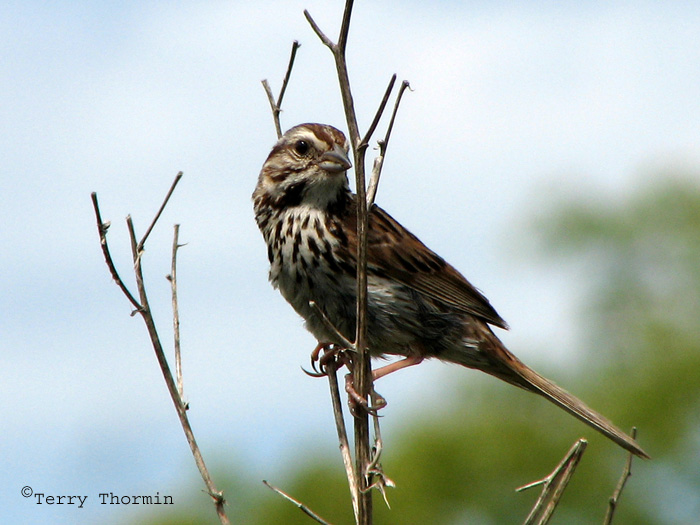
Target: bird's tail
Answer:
[[505, 366]]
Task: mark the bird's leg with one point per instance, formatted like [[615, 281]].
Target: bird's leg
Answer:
[[397, 365]]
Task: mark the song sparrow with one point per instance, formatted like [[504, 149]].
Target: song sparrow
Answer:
[[418, 305]]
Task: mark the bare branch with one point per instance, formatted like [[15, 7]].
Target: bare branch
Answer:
[[176, 315], [306, 510], [342, 70], [345, 27], [162, 207], [626, 473], [102, 229], [136, 256], [554, 485], [295, 45], [276, 106], [383, 145]]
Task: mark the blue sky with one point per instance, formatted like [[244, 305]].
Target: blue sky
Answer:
[[510, 104]]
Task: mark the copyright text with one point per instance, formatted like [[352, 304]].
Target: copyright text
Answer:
[[103, 498]]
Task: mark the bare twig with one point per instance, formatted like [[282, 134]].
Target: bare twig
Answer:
[[554, 485], [172, 277], [160, 210], [143, 308], [276, 106], [295, 46], [378, 114], [273, 106], [306, 510], [344, 446], [320, 34], [626, 473], [383, 144]]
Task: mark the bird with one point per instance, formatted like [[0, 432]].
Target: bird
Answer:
[[418, 305]]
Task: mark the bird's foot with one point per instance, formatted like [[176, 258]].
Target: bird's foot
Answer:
[[332, 353], [357, 402]]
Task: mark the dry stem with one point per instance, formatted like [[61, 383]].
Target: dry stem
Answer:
[[172, 277], [362, 371], [626, 473], [350, 471]]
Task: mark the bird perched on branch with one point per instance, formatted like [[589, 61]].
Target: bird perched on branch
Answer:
[[418, 305]]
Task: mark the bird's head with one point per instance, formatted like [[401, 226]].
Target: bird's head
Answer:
[[307, 166]]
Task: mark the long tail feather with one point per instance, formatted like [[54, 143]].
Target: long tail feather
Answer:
[[577, 408], [504, 365]]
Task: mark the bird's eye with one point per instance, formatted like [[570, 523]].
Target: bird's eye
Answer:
[[301, 147]]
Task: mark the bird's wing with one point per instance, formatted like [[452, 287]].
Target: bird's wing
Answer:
[[395, 253]]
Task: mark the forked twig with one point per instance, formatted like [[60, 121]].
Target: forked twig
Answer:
[[626, 473], [143, 308], [554, 485], [306, 510], [276, 105]]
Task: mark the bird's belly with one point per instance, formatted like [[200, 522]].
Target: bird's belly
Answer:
[[399, 320]]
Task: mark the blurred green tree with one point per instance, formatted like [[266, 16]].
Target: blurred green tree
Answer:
[[640, 259]]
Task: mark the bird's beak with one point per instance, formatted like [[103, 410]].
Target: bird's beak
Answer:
[[335, 161]]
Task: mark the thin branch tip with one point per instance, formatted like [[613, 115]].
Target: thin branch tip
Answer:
[[160, 210], [320, 34], [306, 510]]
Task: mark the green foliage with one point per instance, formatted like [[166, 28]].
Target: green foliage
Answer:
[[462, 464]]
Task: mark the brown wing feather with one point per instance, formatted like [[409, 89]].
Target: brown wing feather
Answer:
[[395, 252]]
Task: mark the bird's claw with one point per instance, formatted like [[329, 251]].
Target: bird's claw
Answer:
[[332, 353]]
